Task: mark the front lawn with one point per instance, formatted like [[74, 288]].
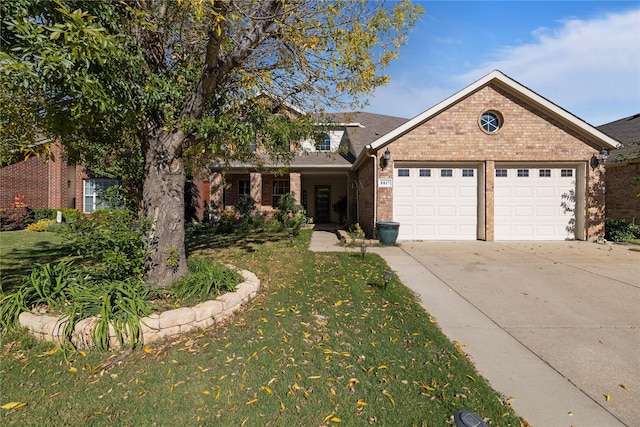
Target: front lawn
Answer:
[[322, 344]]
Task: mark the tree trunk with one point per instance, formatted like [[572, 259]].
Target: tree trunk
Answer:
[[163, 204]]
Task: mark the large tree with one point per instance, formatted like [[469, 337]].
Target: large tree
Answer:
[[169, 81]]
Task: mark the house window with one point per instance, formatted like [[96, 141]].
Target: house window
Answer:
[[280, 188], [244, 188], [490, 122], [523, 173], [501, 172], [446, 172], [566, 173], [544, 173], [425, 172], [324, 144], [403, 172], [94, 193], [468, 172]]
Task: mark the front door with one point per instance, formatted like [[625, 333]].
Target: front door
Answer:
[[323, 204]]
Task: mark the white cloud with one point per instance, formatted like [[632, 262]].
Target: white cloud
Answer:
[[591, 68]]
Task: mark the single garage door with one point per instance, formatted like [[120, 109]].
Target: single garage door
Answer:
[[535, 204], [436, 203]]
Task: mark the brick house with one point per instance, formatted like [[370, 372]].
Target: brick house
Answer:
[[495, 161], [623, 166]]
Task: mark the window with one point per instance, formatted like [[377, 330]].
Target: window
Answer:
[[446, 172], [467, 172], [94, 193], [490, 122], [244, 188], [280, 188], [544, 172], [523, 173], [403, 172], [324, 144], [501, 172], [425, 172], [566, 172]]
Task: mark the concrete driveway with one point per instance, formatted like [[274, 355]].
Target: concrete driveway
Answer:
[[574, 305]]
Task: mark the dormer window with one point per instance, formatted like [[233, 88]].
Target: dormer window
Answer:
[[324, 144]]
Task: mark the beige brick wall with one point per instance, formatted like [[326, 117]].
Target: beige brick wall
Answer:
[[527, 136]]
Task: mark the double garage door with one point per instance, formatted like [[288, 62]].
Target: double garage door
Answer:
[[442, 203]]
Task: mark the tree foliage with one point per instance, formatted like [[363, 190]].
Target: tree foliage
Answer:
[[142, 89]]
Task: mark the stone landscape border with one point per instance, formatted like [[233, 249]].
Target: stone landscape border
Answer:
[[153, 327]]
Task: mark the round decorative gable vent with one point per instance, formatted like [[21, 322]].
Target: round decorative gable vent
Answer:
[[490, 121]]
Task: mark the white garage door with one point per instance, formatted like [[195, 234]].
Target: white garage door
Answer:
[[534, 204], [436, 203]]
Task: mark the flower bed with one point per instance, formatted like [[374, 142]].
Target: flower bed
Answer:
[[153, 327]]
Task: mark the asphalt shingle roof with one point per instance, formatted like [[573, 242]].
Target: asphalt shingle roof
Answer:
[[627, 131]]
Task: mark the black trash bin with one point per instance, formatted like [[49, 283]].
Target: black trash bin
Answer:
[[387, 232]]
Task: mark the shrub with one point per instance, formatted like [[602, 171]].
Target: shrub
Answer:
[[114, 241], [245, 208], [41, 225], [43, 213], [619, 230], [289, 213], [16, 218]]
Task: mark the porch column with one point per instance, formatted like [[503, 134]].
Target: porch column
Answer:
[[295, 186], [256, 188], [216, 192]]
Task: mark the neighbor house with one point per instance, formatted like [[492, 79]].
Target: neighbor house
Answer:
[[623, 170], [495, 161]]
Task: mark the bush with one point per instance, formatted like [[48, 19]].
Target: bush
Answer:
[[246, 208], [16, 218], [41, 225], [43, 213], [619, 230], [289, 213], [114, 241]]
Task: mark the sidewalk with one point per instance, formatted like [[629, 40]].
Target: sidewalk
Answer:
[[539, 393]]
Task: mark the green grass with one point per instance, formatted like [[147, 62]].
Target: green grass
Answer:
[[321, 344], [20, 250]]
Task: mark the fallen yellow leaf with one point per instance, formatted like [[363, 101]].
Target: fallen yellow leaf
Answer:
[[607, 397], [73, 369], [251, 402], [624, 386], [13, 405]]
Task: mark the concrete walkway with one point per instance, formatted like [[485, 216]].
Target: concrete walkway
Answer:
[[475, 291]]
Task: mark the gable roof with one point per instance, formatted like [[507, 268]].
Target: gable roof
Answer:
[[627, 131], [506, 83]]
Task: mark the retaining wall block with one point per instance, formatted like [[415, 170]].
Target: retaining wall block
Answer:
[[150, 324], [177, 317], [231, 300], [207, 310]]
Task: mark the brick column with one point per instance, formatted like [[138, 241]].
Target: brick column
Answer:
[[489, 204], [216, 191], [295, 186], [256, 187]]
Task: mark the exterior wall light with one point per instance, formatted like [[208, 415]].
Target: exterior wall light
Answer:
[[386, 157], [600, 161]]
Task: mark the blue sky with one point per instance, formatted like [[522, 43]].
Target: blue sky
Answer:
[[582, 55]]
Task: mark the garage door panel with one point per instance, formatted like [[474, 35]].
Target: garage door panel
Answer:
[[439, 208], [538, 207]]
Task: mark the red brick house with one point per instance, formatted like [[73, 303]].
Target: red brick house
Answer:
[[495, 161], [623, 167]]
